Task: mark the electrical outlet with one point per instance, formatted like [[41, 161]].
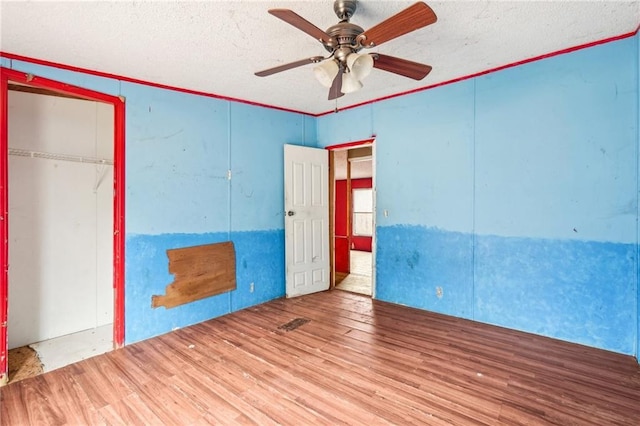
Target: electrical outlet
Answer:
[[251, 287]]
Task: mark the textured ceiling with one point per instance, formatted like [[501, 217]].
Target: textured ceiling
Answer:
[[216, 46]]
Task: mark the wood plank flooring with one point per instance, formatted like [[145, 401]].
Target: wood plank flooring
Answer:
[[357, 361]]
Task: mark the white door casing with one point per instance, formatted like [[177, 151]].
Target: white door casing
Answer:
[[306, 220]]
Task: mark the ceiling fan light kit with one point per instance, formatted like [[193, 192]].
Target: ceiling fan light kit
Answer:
[[360, 65], [326, 72], [350, 83], [344, 68]]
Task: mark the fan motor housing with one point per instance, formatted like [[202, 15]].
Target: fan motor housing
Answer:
[[344, 34]]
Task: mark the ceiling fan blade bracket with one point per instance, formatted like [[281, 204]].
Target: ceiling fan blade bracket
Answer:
[[361, 41]]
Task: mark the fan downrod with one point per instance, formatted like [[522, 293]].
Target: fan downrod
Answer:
[[344, 9]]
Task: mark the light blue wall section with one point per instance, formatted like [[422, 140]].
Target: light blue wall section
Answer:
[[177, 160], [512, 198], [179, 148], [310, 131], [554, 152], [259, 260], [425, 267], [424, 176], [257, 150], [257, 196], [424, 159], [4, 62], [583, 292], [146, 274], [637, 39], [556, 164], [346, 126]]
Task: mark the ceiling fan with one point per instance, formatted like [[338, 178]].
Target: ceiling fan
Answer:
[[344, 72]]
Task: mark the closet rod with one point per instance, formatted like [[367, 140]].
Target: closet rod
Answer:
[[60, 157]]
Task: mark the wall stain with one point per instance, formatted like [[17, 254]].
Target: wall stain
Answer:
[[414, 259], [150, 138], [246, 193]]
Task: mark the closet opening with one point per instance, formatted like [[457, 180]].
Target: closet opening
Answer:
[[62, 209]]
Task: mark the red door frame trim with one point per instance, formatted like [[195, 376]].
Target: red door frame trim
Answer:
[[350, 144], [118, 103], [4, 231], [339, 147]]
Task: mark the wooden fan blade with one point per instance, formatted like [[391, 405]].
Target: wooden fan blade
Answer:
[[300, 23], [410, 19], [312, 60], [336, 87], [401, 66]]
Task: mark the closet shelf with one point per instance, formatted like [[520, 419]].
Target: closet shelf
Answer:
[[59, 157]]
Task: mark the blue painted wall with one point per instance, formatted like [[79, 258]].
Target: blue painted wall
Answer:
[[512, 198], [179, 148], [555, 197], [637, 39]]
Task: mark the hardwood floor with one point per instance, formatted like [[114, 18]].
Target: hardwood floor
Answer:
[[357, 361]]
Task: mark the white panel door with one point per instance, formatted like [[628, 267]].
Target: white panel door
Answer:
[[306, 223]]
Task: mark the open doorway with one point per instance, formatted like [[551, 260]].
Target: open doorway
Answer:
[[53, 231], [353, 218]]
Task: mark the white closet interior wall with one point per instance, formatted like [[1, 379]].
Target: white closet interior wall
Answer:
[[60, 217]]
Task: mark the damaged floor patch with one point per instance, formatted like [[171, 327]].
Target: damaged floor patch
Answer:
[[24, 362], [293, 324]]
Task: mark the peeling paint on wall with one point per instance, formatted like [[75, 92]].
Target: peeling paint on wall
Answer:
[[260, 259]]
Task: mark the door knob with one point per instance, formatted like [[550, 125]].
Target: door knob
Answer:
[[290, 213]]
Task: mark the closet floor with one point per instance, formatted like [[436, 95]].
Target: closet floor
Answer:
[[65, 350]]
